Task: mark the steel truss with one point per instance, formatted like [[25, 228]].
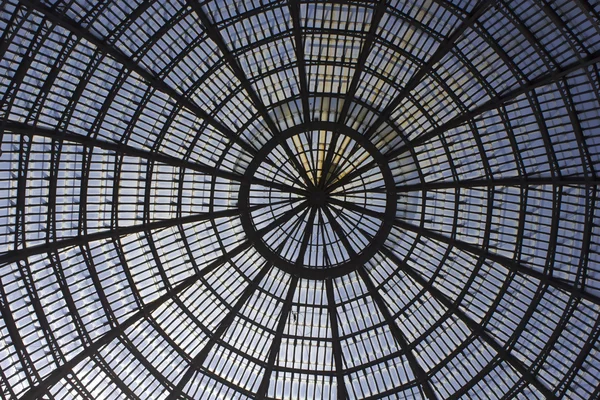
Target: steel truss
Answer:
[[393, 141]]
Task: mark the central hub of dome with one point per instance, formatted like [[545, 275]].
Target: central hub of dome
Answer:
[[317, 197], [318, 202]]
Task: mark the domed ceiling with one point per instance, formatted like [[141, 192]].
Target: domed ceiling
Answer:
[[299, 199]]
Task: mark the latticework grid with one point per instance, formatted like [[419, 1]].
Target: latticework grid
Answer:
[[299, 199]]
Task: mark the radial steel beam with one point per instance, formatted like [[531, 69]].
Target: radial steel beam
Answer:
[[519, 181], [13, 26], [215, 35], [308, 231], [294, 6], [199, 359], [490, 105], [31, 130], [328, 167], [22, 254], [11, 86], [339, 231], [261, 393], [362, 58], [473, 249], [27, 364], [64, 370], [472, 325], [125, 24], [120, 148], [575, 42], [418, 371], [342, 392], [502, 260], [220, 330], [185, 356], [592, 14], [70, 25], [509, 343], [110, 317], [500, 100], [491, 183], [93, 348], [444, 48]]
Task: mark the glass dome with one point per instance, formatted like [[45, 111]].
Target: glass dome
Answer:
[[300, 199]]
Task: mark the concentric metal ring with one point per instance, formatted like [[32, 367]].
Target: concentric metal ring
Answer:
[[332, 227]]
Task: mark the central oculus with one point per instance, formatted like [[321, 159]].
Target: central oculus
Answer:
[[318, 202]]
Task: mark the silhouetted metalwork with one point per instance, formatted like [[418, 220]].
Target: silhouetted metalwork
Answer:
[[299, 199]]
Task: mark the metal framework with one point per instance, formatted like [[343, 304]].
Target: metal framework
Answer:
[[299, 199]]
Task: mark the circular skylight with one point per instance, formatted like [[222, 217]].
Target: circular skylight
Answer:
[[328, 207], [299, 199]]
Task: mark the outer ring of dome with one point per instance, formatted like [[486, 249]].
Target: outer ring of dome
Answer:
[[362, 257]]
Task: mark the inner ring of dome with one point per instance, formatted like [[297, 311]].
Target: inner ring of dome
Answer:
[[326, 214]]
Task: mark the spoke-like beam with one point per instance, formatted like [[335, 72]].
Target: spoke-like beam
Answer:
[[362, 58], [102, 46], [112, 321], [473, 249], [337, 228], [356, 208], [490, 105], [444, 48], [328, 167], [490, 183], [471, 324], [308, 231], [220, 330], [196, 363], [498, 101], [582, 357], [214, 34], [342, 392], [126, 150], [325, 235], [502, 260], [24, 253], [398, 335], [294, 6], [351, 176], [93, 348], [31, 130], [276, 344]]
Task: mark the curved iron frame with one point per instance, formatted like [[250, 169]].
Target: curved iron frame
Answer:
[[556, 73]]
